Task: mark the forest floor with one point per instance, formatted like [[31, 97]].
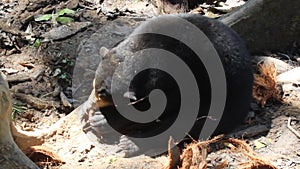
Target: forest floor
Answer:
[[39, 61]]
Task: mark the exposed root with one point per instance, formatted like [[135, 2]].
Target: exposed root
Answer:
[[13, 140], [10, 155], [38, 137], [42, 154]]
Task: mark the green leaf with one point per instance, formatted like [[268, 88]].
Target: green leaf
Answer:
[[64, 20], [37, 43], [71, 63], [259, 144], [64, 60], [57, 72], [65, 11], [63, 76], [45, 17], [17, 109], [111, 160], [270, 140]]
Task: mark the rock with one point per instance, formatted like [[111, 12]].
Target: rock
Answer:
[[88, 57], [64, 31], [292, 76], [280, 65]]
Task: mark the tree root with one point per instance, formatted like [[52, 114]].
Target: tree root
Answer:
[[13, 140], [10, 154]]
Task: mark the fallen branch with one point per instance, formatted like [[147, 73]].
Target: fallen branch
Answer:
[[291, 128]]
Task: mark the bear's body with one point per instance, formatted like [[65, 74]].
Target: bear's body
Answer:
[[118, 64]]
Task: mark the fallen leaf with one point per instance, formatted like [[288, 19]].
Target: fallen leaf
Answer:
[[259, 144], [45, 17], [65, 11], [64, 20], [28, 65]]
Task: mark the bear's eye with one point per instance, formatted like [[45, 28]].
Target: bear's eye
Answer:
[[103, 92]]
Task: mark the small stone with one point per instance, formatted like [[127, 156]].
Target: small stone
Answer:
[[291, 76], [287, 88]]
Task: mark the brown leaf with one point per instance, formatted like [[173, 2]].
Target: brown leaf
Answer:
[[28, 65]]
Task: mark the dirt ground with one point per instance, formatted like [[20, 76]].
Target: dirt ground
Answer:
[[41, 63]]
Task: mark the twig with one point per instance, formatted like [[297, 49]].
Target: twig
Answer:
[[137, 101], [292, 129]]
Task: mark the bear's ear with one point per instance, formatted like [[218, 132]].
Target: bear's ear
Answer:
[[103, 51]]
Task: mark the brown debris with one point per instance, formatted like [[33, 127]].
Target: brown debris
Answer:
[[43, 156], [171, 7], [195, 155], [34, 73], [265, 86], [20, 77], [254, 162], [34, 101], [28, 65]]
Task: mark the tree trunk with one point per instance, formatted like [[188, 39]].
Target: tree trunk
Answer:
[[267, 25], [10, 154]]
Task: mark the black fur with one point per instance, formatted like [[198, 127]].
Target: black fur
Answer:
[[234, 57]]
